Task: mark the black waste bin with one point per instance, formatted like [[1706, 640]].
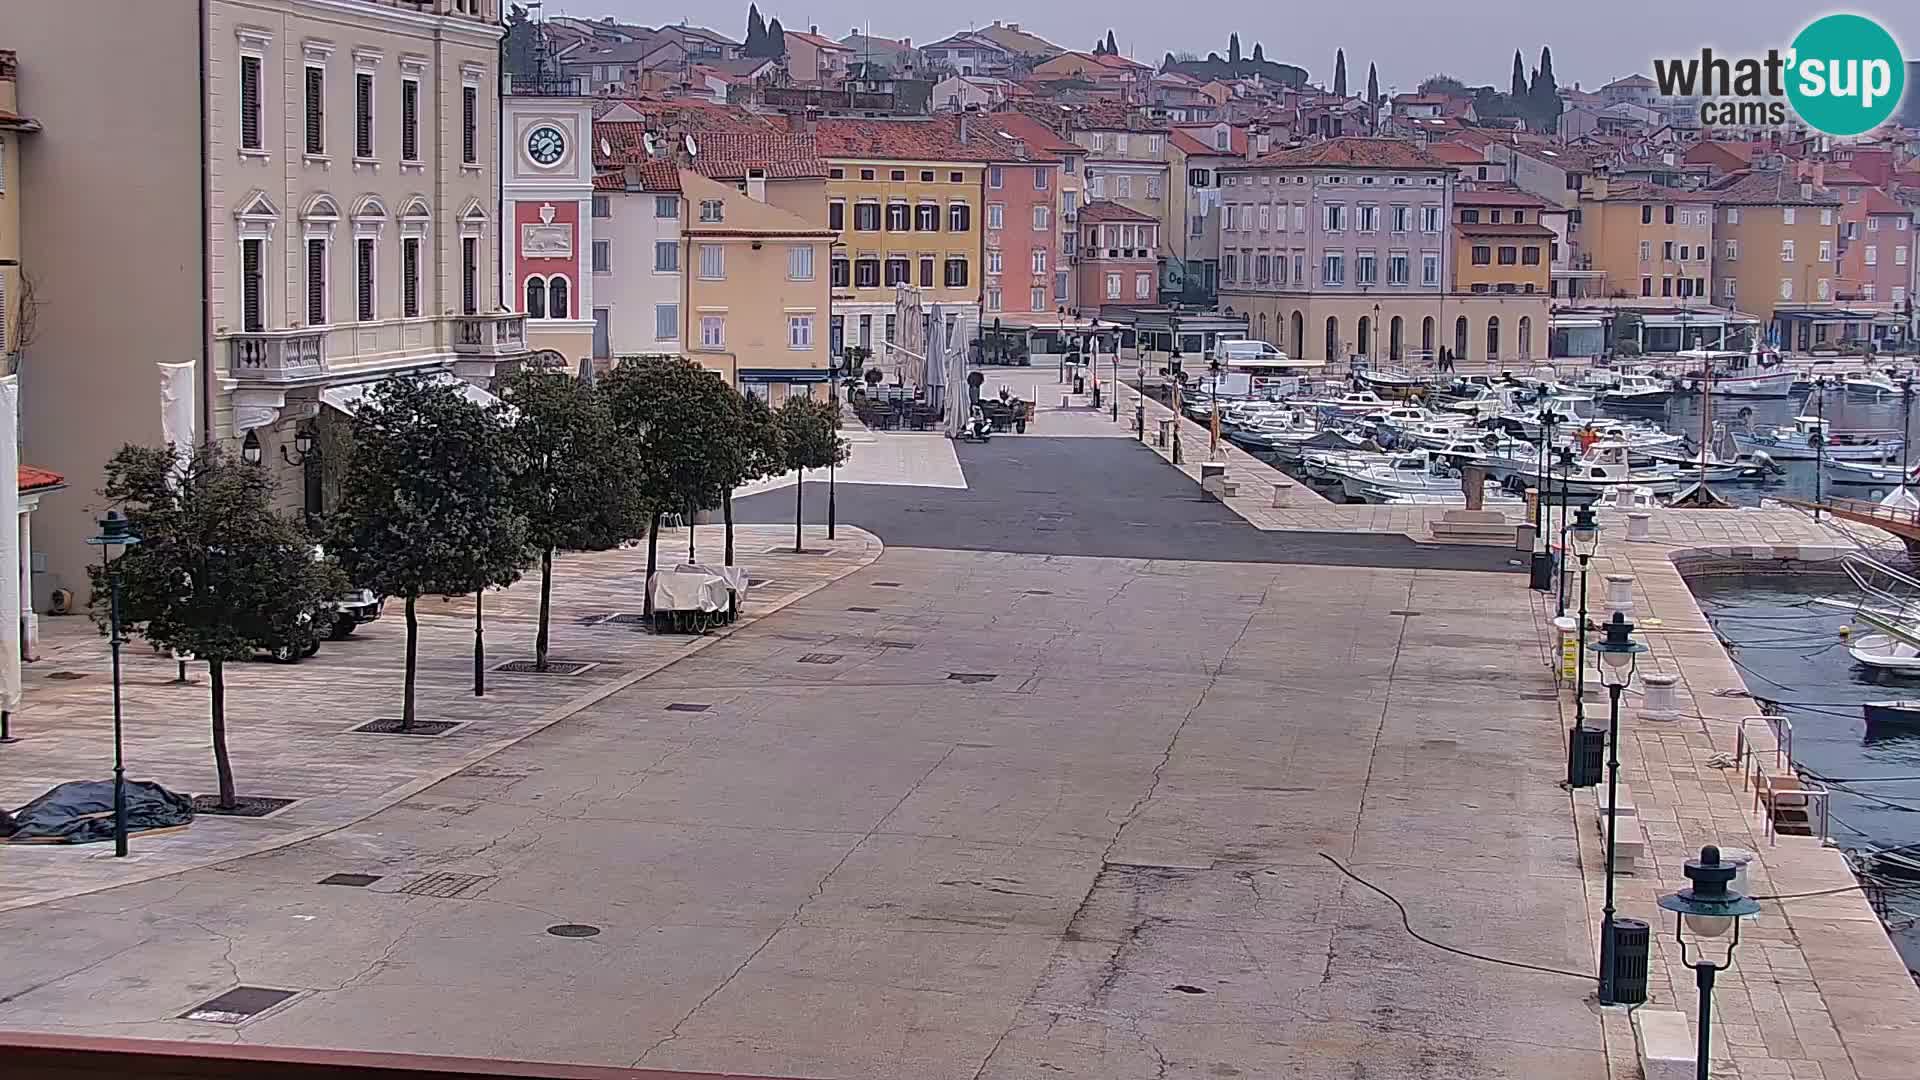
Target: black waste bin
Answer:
[[1079, 384]]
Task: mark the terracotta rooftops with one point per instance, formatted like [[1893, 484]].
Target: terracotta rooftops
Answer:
[[1454, 153], [1104, 210], [936, 138], [1654, 193], [1496, 196], [1753, 187], [1876, 201], [723, 155], [1353, 153], [1505, 228], [32, 478]]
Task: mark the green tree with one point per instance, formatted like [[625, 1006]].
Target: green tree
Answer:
[[1373, 97], [776, 40], [1518, 92], [1544, 95], [1167, 63], [1259, 57], [428, 504], [574, 488], [1112, 49], [519, 47], [809, 439], [1340, 73], [1443, 84], [756, 42], [1233, 48], [218, 573], [759, 454]]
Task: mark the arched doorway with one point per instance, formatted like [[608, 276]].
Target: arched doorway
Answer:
[[1426, 338], [1460, 338], [1263, 327], [1363, 341], [1493, 338], [1395, 339], [1333, 339], [1526, 337], [1299, 335]]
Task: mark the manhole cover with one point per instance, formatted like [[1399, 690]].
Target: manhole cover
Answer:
[[351, 881], [821, 658], [554, 667], [865, 610], [886, 584], [443, 885], [243, 805], [687, 706], [391, 725], [238, 1004], [573, 929], [969, 677], [66, 676]]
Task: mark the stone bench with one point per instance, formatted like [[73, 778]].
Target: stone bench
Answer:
[[1473, 527], [1664, 1043], [1631, 842]]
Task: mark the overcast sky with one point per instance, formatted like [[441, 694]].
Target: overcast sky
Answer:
[[1408, 39]]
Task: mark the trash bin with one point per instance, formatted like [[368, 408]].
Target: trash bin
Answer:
[[1096, 397], [1079, 384], [1166, 432]]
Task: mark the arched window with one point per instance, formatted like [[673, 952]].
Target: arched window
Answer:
[[1526, 337], [1333, 339], [1299, 335], [557, 298], [1493, 337], [1363, 344], [1426, 337], [1396, 338], [1460, 338], [1263, 326], [536, 298]]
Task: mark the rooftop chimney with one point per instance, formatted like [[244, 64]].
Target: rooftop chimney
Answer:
[[1256, 134], [1806, 189], [810, 123], [1014, 26], [966, 121], [757, 185], [814, 30]]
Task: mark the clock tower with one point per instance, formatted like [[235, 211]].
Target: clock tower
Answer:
[[546, 173]]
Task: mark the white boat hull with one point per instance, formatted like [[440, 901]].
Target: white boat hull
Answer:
[[1884, 652]]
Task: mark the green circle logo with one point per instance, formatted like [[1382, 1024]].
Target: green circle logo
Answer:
[[1846, 74]]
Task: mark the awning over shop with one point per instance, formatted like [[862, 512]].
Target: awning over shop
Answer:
[[1576, 323], [786, 375], [347, 398]]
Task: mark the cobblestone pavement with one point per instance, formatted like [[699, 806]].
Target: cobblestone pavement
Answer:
[[287, 725]]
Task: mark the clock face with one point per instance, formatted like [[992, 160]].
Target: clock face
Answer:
[[546, 144]]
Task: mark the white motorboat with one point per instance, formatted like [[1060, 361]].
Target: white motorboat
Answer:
[[1718, 469], [1355, 403], [1796, 443], [1403, 474], [1884, 652], [1494, 498], [1868, 473], [1632, 391], [1602, 470], [1870, 384], [1726, 373], [1390, 383]]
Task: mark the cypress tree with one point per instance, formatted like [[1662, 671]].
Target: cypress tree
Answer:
[[1112, 49], [1233, 48], [1340, 73], [756, 31]]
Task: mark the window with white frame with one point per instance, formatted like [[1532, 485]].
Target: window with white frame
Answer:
[[363, 114], [1430, 219], [1037, 298], [993, 262], [1040, 180], [1733, 215], [1826, 251], [1042, 219], [713, 262], [1786, 288], [1113, 286], [1402, 218], [558, 302], [1266, 221], [994, 178], [993, 299], [1333, 217], [1826, 216], [713, 211], [1039, 260], [713, 331], [1333, 268], [410, 120], [1142, 285], [1365, 269], [1786, 251], [1153, 187], [666, 322], [1899, 256], [253, 300], [470, 275], [1786, 215], [1729, 287], [1369, 218], [800, 262], [800, 333], [1899, 295], [602, 206], [1732, 251], [316, 109], [603, 256], [250, 134], [1228, 265], [1123, 186], [1871, 253], [996, 215], [316, 281], [666, 256], [363, 255], [666, 206], [1397, 268], [470, 125]]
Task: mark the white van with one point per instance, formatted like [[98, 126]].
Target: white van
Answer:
[[1248, 354]]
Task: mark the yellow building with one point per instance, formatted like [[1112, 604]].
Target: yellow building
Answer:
[[1648, 241], [11, 125], [1776, 239], [1500, 244], [905, 198], [756, 279]]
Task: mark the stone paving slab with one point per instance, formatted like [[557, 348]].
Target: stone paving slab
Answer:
[[287, 724]]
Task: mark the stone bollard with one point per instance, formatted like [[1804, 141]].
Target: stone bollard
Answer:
[[1637, 523], [1660, 702], [1619, 596], [1166, 431], [1282, 493], [1533, 503], [1066, 401], [1566, 640]]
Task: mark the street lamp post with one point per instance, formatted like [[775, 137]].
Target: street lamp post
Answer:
[[1586, 540], [1139, 386], [1906, 437], [1542, 568], [1566, 498], [1173, 369], [1708, 907], [1616, 653], [114, 533], [833, 381], [1213, 413]]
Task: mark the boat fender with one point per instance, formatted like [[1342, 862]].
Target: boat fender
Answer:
[[1846, 632]]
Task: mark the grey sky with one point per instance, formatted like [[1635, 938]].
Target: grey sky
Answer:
[[1408, 39]]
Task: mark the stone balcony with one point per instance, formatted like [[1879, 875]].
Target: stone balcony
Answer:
[[277, 357], [497, 335]]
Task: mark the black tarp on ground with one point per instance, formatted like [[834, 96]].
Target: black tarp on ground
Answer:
[[81, 812]]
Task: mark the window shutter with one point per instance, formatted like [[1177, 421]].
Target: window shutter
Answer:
[[469, 124], [363, 274], [410, 120], [470, 275], [250, 102], [316, 283], [316, 111], [363, 115], [252, 318], [410, 277]]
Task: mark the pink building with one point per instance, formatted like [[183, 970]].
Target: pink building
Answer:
[[1021, 252], [1119, 256], [1877, 249]]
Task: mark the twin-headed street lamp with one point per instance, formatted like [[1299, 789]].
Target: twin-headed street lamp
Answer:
[[1617, 653], [1708, 907], [1585, 536], [1566, 456], [115, 533], [1540, 574]]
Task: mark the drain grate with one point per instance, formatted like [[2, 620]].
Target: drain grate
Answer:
[[254, 806], [351, 881], [821, 658], [1403, 611], [687, 706], [1039, 592], [421, 729], [886, 584], [625, 618], [443, 885], [66, 676], [237, 1005], [865, 610], [554, 667], [1185, 988], [882, 644], [573, 930], [970, 677]]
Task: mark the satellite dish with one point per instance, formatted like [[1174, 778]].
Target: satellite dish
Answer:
[[651, 142], [606, 148], [693, 148]]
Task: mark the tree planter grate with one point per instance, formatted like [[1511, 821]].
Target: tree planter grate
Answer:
[[251, 806], [886, 584], [821, 658], [66, 676], [423, 729], [1039, 592], [554, 667], [970, 677], [1403, 611], [240, 1004], [351, 881], [788, 550], [895, 645], [444, 885], [687, 706], [626, 618]]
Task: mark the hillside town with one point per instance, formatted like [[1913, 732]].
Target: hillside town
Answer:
[[559, 544]]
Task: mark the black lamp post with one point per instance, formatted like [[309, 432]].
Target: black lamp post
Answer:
[[1906, 428], [1173, 369], [1213, 413], [1540, 576], [1139, 386], [1566, 498], [114, 533], [832, 374], [1708, 907], [1616, 652], [1586, 541]]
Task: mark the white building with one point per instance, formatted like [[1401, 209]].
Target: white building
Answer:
[[637, 252]]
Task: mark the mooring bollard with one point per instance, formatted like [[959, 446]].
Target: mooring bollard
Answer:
[[1637, 525], [1566, 640], [1619, 596], [1282, 493], [1661, 701]]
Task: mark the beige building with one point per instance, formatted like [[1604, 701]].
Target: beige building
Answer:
[[756, 280], [330, 222], [1777, 240], [1646, 241], [12, 125]]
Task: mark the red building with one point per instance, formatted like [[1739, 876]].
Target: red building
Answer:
[[1019, 230], [1119, 256]]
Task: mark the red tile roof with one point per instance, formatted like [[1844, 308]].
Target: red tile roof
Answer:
[[32, 478], [1355, 153], [817, 41], [1201, 138], [1496, 196], [1654, 193], [1104, 210], [934, 138], [1751, 187], [724, 154], [1876, 201], [1038, 136], [1505, 228], [1455, 153]]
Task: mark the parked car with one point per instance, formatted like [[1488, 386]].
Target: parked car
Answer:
[[355, 607]]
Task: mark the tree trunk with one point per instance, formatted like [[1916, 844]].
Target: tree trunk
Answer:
[[690, 513], [726, 510], [546, 609], [653, 555], [217, 680], [479, 640], [799, 518], [413, 642]]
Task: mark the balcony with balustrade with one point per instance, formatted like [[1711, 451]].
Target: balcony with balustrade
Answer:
[[499, 335], [277, 357]]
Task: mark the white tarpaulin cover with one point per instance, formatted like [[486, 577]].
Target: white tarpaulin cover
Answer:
[[689, 587], [347, 398]]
